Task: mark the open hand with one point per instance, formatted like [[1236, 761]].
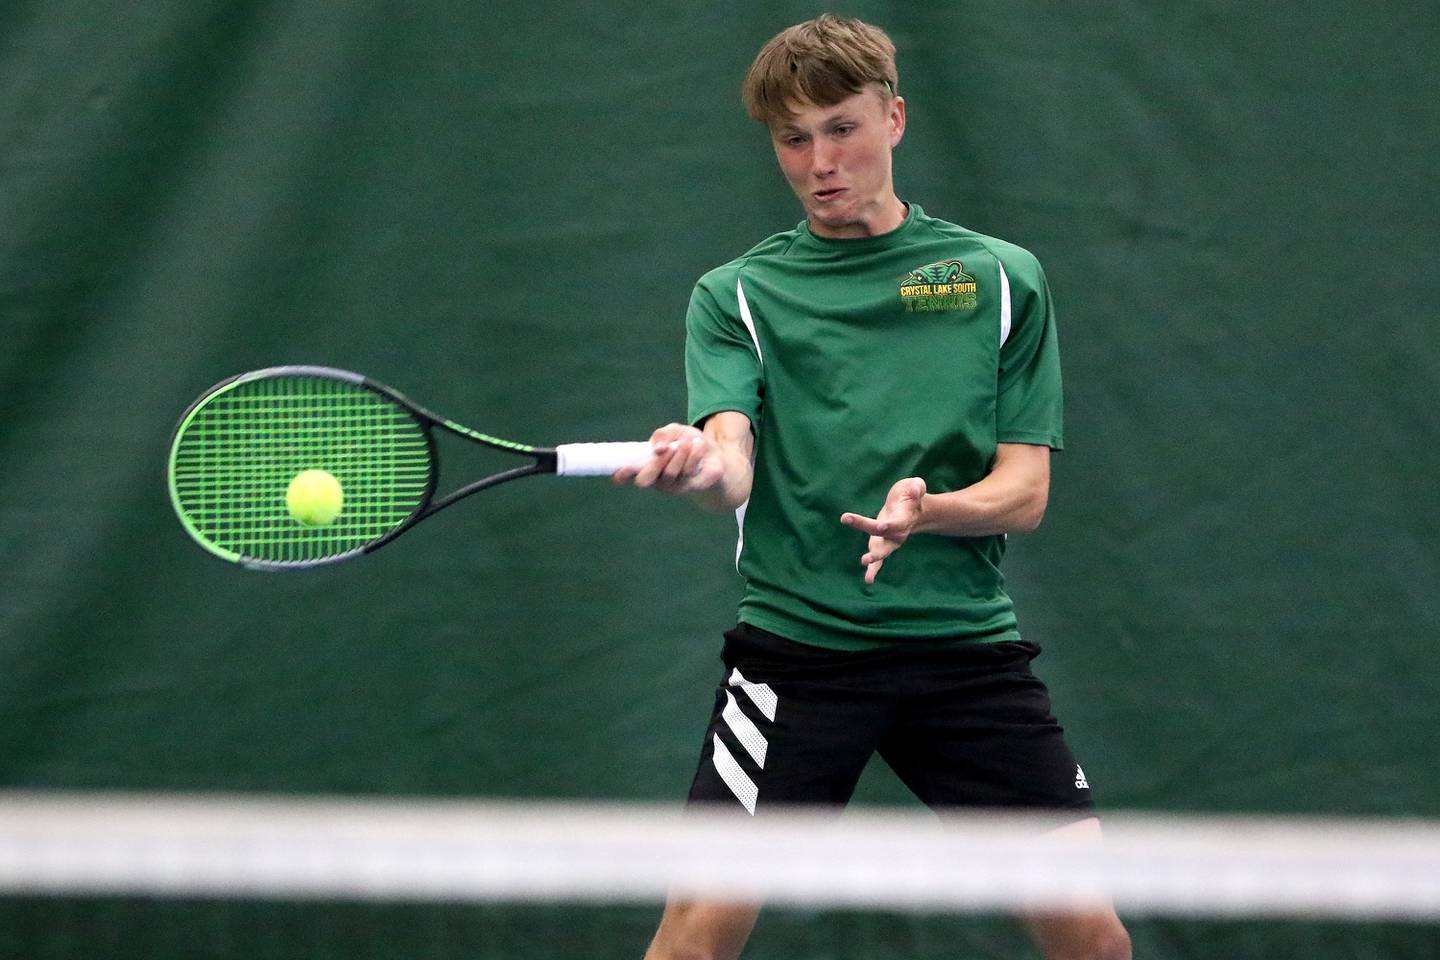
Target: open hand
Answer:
[[892, 527]]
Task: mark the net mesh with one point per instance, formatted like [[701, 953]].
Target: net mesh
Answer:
[[237, 452], [264, 878]]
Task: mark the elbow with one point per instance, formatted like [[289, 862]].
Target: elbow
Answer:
[[1029, 523], [1022, 474], [1030, 514]]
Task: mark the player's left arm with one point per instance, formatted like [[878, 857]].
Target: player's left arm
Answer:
[[1011, 498]]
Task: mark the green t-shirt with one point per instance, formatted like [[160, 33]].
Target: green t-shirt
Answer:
[[861, 362]]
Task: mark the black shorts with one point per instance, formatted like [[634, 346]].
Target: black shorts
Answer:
[[963, 725]]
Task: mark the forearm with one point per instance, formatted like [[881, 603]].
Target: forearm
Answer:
[[730, 433], [978, 511], [1010, 499]]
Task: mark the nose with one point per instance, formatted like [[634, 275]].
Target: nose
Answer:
[[822, 159]]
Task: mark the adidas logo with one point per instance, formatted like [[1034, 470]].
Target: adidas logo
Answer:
[[1080, 782]]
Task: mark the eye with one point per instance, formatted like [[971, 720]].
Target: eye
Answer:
[[794, 140], [845, 129]]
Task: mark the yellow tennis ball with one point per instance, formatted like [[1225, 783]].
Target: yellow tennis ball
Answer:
[[314, 498]]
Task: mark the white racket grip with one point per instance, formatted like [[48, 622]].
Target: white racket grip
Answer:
[[599, 459]]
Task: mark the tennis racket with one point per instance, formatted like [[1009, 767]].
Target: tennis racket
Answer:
[[238, 448]]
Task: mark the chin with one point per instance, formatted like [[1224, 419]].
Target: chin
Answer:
[[832, 219]]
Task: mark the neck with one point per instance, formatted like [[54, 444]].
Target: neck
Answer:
[[889, 217]]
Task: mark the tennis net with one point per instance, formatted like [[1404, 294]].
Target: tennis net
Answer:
[[156, 876]]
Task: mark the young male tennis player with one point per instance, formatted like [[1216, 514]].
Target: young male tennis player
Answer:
[[876, 393]]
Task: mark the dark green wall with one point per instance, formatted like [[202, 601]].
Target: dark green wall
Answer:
[[500, 209]]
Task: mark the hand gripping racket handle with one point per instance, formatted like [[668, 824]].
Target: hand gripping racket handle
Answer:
[[599, 459]]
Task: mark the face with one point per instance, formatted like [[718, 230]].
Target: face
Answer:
[[837, 160]]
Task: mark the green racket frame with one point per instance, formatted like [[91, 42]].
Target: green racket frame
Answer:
[[237, 447]]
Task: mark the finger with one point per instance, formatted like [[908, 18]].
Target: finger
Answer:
[[679, 457], [709, 473], [668, 434], [872, 527], [904, 496], [691, 468], [694, 456], [651, 470], [700, 452], [872, 570], [879, 550], [911, 489], [645, 476], [663, 448]]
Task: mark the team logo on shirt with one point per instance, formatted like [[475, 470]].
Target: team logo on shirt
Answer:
[[938, 286]]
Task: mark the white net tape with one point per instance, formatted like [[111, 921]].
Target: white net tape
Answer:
[[463, 851]]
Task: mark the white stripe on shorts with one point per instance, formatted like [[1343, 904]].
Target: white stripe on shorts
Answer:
[[742, 786], [759, 693], [746, 732]]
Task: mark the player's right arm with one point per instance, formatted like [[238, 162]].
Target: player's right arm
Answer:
[[712, 465]]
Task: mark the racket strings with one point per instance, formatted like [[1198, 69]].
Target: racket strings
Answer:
[[240, 448]]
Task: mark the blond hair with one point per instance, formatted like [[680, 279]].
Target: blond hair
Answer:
[[821, 61]]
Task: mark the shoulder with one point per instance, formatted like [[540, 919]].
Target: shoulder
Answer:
[[725, 275], [1018, 263]]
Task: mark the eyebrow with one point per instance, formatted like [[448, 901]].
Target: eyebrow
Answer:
[[843, 117]]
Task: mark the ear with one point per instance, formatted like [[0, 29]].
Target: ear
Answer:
[[896, 119]]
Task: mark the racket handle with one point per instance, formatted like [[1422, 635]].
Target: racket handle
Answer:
[[599, 459]]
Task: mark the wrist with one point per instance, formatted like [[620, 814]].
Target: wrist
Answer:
[[925, 518], [727, 492]]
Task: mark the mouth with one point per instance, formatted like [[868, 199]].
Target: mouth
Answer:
[[825, 196]]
